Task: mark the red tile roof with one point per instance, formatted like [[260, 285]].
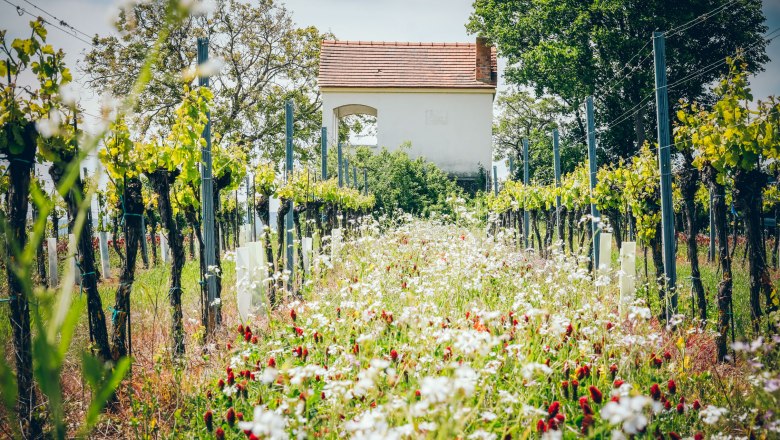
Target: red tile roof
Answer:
[[403, 65]]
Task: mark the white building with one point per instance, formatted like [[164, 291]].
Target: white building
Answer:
[[437, 96]]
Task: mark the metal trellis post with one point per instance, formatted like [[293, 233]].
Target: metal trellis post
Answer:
[[557, 170], [511, 167], [288, 224], [526, 214], [495, 180], [711, 253], [664, 163], [324, 152], [340, 161], [207, 198], [594, 211]]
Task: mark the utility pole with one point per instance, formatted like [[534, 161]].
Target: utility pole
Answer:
[[526, 214], [288, 224], [207, 201], [664, 163], [594, 211]]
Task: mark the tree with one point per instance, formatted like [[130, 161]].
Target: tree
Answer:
[[267, 60], [118, 159], [643, 191], [399, 182], [734, 140], [20, 108], [522, 116], [164, 161], [573, 49], [688, 177]]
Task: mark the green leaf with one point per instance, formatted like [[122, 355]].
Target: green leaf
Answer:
[[103, 382], [7, 385]]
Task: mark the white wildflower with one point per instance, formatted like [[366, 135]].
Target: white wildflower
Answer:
[[266, 424], [50, 126], [711, 414], [629, 411]]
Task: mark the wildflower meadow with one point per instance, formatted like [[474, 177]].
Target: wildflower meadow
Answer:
[[427, 330], [470, 220]]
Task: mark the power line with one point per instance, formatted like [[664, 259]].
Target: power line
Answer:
[[612, 83], [21, 11], [700, 19], [61, 21], [712, 66], [625, 115]]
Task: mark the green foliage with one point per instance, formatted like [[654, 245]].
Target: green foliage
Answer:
[[610, 190], [267, 60], [732, 136], [574, 49], [522, 116], [19, 108], [643, 192], [180, 149], [412, 185]]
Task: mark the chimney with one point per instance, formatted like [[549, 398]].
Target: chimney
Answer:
[[484, 63]]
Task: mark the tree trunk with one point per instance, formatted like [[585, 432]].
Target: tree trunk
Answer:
[[548, 230], [161, 181], [55, 224], [724, 287], [614, 221], [144, 253], [192, 243], [689, 205], [297, 210], [97, 319], [777, 239], [115, 239], [264, 212], [284, 206], [572, 220], [40, 256], [688, 178], [192, 218], [19, 172], [153, 237], [561, 226], [133, 231], [537, 234], [747, 195], [660, 276]]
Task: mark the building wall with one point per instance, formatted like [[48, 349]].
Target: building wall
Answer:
[[451, 128]]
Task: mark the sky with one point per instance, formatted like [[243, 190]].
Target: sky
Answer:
[[379, 20]]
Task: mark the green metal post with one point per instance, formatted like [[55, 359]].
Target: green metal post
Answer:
[[526, 214], [664, 164], [288, 110], [495, 180], [557, 170], [207, 195], [594, 211], [340, 161], [324, 152]]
